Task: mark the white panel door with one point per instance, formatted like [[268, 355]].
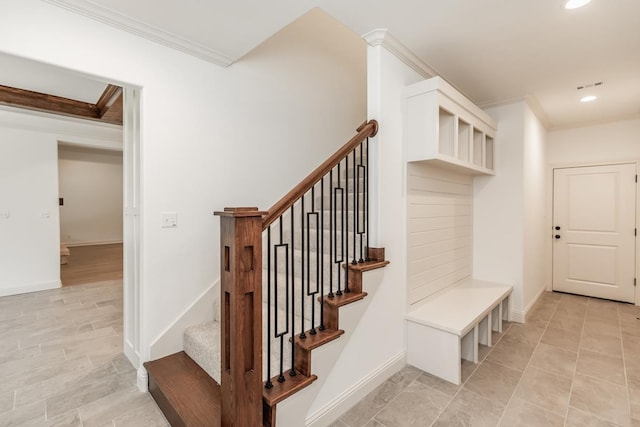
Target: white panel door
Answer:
[[594, 210]]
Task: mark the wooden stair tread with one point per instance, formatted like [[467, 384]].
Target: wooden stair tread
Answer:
[[368, 265], [320, 338], [345, 298], [290, 386], [185, 393]]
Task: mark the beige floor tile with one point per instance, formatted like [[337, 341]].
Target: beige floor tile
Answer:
[[521, 413], [554, 359], [73, 379], [602, 399], [602, 344], [68, 419], [365, 410], [525, 333], [76, 398], [493, 381], [6, 401], [610, 328], [438, 384], [630, 328], [544, 389], [337, 423], [416, 405], [634, 399], [566, 340], [571, 309], [147, 415], [470, 409], [32, 370], [567, 322], [26, 416], [511, 353], [608, 368], [374, 423], [467, 369], [576, 418], [112, 406]]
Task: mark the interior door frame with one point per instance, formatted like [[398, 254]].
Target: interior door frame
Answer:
[[550, 191]]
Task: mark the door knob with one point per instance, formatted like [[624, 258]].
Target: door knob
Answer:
[[557, 227], [557, 236]]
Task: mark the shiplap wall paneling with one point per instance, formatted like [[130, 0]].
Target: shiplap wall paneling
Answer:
[[439, 229]]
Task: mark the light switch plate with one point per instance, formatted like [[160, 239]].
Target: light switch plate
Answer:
[[169, 219], [4, 213]]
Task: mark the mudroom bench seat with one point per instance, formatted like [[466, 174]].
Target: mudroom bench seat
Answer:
[[448, 327]]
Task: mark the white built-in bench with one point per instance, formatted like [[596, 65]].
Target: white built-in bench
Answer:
[[448, 328]]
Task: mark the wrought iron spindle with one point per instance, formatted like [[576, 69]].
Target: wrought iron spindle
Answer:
[[321, 230], [345, 225], [269, 384], [331, 225], [281, 333], [338, 260], [292, 371], [302, 270], [361, 202], [366, 208]]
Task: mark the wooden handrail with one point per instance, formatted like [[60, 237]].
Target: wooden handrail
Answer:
[[365, 130]]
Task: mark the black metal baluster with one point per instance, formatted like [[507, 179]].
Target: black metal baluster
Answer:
[[310, 294], [281, 334], [292, 372], [302, 264], [366, 190], [355, 207], [269, 384], [337, 260], [321, 230], [331, 245], [345, 226], [361, 196]]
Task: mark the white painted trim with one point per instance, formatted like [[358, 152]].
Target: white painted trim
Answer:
[[382, 37], [142, 380], [126, 23], [33, 287], [201, 310], [91, 243], [352, 395], [530, 100]]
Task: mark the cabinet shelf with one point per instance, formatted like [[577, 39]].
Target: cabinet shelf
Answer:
[[444, 127]]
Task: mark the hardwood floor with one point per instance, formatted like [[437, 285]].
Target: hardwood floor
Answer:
[[88, 264]]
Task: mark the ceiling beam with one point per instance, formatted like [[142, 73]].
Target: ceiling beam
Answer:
[[107, 99], [22, 98], [111, 97]]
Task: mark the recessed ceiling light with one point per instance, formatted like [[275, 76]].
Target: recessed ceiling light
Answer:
[[574, 4], [588, 98]]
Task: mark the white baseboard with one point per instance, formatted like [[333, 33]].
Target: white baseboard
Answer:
[[33, 287], [200, 311], [142, 380], [520, 316], [91, 243], [343, 402]]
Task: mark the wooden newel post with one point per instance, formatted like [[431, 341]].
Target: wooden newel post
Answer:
[[241, 308]]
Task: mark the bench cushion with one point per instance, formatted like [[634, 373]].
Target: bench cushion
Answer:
[[461, 307]]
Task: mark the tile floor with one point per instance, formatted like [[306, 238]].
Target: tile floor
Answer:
[[575, 363], [61, 361]]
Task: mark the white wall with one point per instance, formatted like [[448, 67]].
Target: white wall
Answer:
[[29, 241], [602, 143], [90, 181], [29, 244], [536, 233], [609, 142], [498, 207], [510, 208], [439, 229], [211, 137], [382, 318]]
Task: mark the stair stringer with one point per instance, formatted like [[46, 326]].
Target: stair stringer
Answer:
[[308, 407]]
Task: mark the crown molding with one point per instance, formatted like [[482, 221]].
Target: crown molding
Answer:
[[126, 23], [382, 37]]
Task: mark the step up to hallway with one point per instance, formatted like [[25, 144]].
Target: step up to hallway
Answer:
[[185, 393]]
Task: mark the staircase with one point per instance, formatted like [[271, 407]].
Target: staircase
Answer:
[[314, 251]]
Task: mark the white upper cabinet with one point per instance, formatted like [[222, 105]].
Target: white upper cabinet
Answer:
[[443, 126]]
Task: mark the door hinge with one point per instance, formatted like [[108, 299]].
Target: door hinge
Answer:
[[635, 231], [634, 281], [636, 178]]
